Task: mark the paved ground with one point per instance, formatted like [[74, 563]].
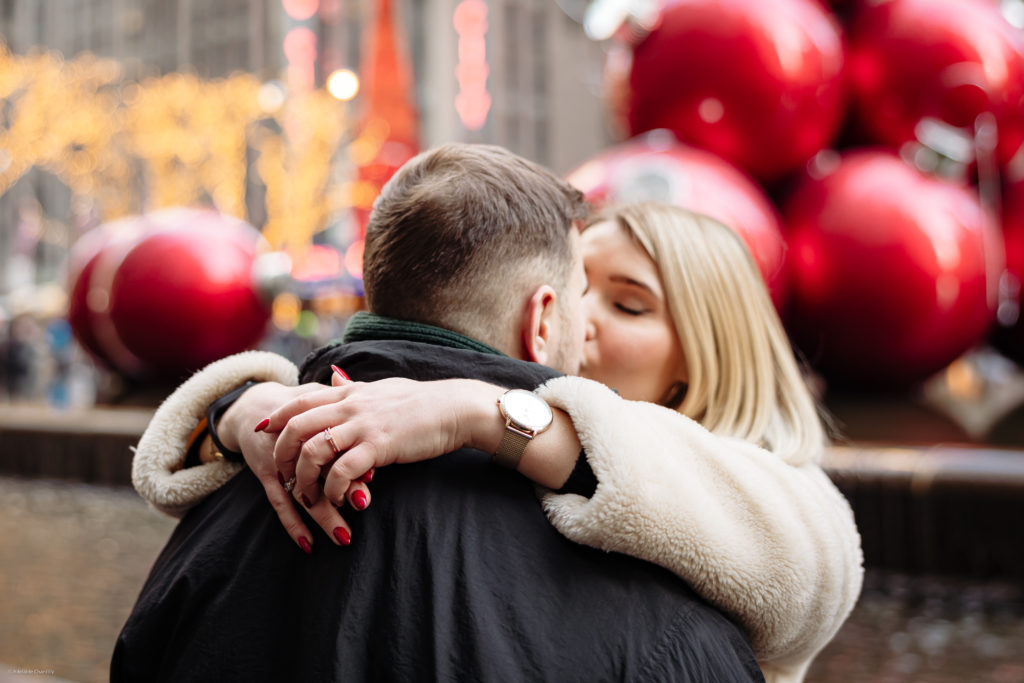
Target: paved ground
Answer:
[[914, 629], [72, 560], [73, 557]]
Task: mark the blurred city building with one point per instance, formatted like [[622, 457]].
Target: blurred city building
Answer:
[[540, 70], [518, 73], [537, 79]]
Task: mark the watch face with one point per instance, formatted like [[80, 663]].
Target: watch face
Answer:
[[526, 409]]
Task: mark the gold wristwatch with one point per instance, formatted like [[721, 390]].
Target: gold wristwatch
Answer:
[[526, 415]]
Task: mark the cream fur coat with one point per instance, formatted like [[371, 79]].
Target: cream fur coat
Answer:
[[771, 543]]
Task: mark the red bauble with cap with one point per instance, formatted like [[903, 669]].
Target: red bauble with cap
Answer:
[[656, 167], [758, 83], [165, 293], [893, 273], [949, 60], [183, 295]]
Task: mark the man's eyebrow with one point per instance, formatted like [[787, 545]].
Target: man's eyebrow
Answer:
[[630, 281]]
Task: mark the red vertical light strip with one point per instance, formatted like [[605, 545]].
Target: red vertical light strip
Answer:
[[300, 44], [473, 102], [300, 51], [387, 84]]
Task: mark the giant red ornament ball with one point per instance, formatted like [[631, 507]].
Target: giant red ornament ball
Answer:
[[758, 83], [92, 264], [183, 297], [169, 292], [893, 273], [946, 59], [81, 264], [656, 167]]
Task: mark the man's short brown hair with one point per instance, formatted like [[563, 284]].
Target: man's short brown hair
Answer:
[[462, 233]]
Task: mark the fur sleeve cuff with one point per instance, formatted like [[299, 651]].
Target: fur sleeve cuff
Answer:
[[156, 468]]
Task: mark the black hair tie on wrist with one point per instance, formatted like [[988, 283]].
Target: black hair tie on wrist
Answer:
[[213, 413]]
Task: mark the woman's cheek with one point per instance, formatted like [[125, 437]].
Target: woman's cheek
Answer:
[[620, 352]]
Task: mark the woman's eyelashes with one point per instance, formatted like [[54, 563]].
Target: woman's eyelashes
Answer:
[[631, 310]]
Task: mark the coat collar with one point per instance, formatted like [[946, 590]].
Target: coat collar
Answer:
[[365, 326]]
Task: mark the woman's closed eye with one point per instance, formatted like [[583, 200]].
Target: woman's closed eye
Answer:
[[631, 309]]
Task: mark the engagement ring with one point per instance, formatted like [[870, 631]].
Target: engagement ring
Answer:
[[330, 440]]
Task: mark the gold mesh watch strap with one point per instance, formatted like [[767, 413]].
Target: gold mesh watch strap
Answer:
[[510, 450]]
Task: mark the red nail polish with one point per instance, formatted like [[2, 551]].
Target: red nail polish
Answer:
[[305, 501], [359, 500], [280, 478], [305, 545], [340, 373], [368, 477], [341, 533], [262, 424]]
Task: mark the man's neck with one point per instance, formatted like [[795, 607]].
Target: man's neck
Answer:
[[366, 326]]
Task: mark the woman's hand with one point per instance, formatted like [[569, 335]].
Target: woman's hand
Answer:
[[372, 425], [240, 429]]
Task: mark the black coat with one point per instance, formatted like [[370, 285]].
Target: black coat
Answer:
[[454, 573]]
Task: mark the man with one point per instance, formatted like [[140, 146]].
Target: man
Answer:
[[471, 263]]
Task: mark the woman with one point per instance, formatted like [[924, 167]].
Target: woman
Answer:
[[729, 494]]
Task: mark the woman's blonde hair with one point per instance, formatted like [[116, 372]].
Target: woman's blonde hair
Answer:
[[744, 380]]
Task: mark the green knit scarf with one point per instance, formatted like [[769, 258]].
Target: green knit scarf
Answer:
[[365, 326]]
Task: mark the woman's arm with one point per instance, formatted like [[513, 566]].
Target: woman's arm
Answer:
[[397, 420], [773, 544]]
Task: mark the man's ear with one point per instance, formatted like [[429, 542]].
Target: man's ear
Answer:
[[539, 324]]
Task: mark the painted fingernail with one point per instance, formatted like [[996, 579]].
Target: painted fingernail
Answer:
[[305, 545], [262, 424], [368, 477], [280, 478], [305, 501], [359, 500], [341, 533], [340, 373]]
